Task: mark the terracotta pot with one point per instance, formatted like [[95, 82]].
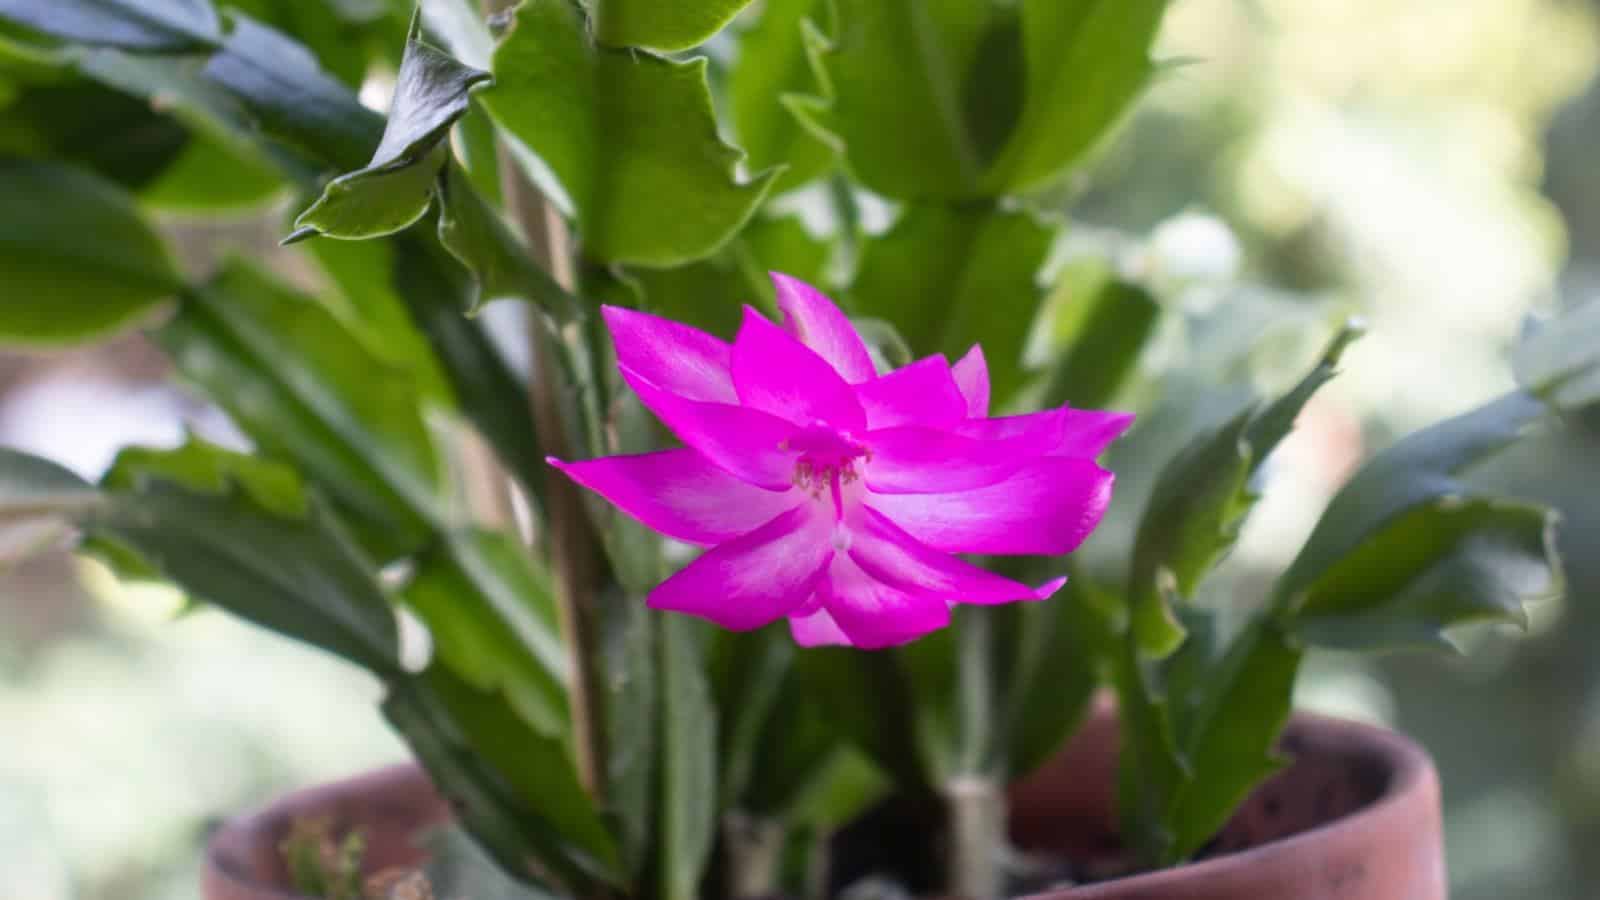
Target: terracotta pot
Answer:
[[1355, 817]]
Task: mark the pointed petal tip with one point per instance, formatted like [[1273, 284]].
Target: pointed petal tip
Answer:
[[1049, 588]]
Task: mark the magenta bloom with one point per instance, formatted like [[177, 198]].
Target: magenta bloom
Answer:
[[835, 496]]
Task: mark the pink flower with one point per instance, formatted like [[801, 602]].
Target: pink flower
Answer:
[[835, 496]]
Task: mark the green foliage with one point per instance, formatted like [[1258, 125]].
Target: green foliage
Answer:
[[395, 187], [951, 277], [475, 235], [1001, 98], [254, 545], [688, 822], [491, 612], [78, 257], [664, 25], [514, 788], [31, 486], [1102, 323], [1407, 549], [1086, 61], [772, 71], [1201, 499], [172, 25], [1561, 361], [630, 138], [308, 390]]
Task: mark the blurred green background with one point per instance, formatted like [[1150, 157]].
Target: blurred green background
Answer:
[[1427, 163]]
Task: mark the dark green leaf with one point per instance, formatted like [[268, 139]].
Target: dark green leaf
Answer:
[[1199, 502], [630, 138], [491, 612], [458, 867], [1449, 562], [1227, 711], [395, 187], [950, 277], [73, 120], [748, 672], [665, 25], [516, 790], [76, 257], [1418, 470], [333, 36], [633, 709], [164, 25], [688, 759], [308, 390], [292, 98], [1103, 323], [475, 235], [1086, 62], [283, 564], [772, 67], [487, 391], [1052, 667]]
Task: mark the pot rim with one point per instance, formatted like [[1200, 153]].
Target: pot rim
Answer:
[[1407, 768], [1409, 771]]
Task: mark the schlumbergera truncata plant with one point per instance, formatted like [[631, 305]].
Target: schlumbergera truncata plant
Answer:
[[733, 589]]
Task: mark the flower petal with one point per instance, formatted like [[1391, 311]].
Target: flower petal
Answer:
[[746, 443], [777, 374], [873, 615], [893, 557], [1086, 433], [912, 460], [757, 578], [1080, 433], [1048, 507], [823, 327], [972, 376], [923, 393], [817, 630], [681, 494], [671, 355]]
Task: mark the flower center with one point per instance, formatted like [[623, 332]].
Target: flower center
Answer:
[[827, 459]]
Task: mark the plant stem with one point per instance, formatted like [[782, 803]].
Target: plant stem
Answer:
[[573, 546], [571, 541], [974, 798]]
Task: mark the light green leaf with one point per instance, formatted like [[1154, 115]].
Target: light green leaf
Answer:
[[950, 277], [307, 390], [1087, 60], [207, 178], [395, 187], [1561, 361], [1200, 501], [76, 257], [772, 70], [197, 516], [1406, 549], [664, 25], [689, 762], [630, 138], [911, 92], [166, 26]]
